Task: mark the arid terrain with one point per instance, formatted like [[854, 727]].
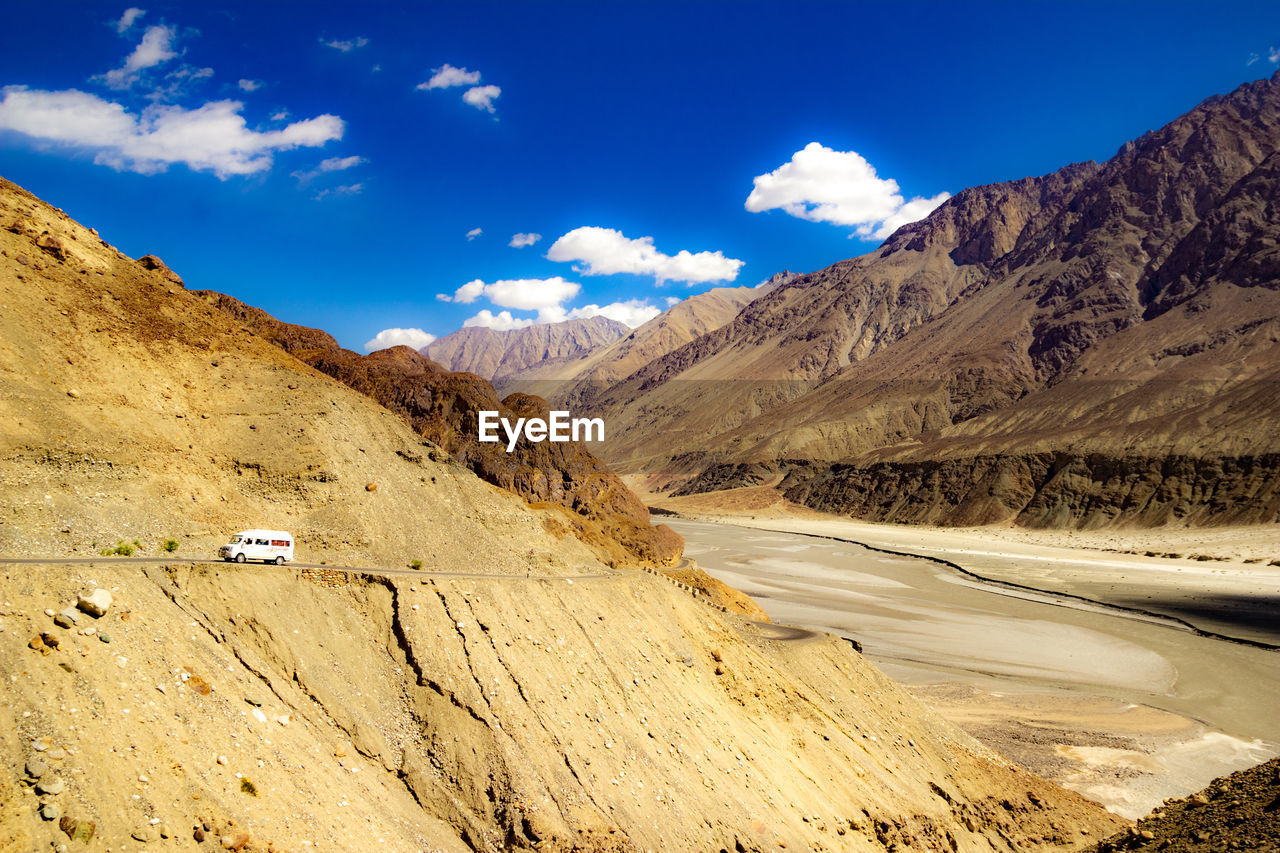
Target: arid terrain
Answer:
[[1059, 668], [1093, 348], [518, 692], [496, 355]]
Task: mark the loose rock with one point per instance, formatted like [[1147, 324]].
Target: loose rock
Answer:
[[146, 834], [95, 603], [36, 768], [53, 786], [50, 811]]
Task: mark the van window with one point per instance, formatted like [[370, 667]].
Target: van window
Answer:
[[235, 539], [260, 542], [279, 543]]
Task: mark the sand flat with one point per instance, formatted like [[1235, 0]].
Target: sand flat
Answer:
[[933, 628]]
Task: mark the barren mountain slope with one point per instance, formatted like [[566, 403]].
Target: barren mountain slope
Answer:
[[133, 409], [536, 698], [444, 407], [575, 381], [1236, 812], [1118, 323], [498, 354]]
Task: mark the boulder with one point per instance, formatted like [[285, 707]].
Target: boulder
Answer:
[[52, 245], [95, 603]]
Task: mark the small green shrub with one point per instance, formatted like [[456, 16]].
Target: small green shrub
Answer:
[[170, 545], [123, 549], [248, 787], [416, 565]]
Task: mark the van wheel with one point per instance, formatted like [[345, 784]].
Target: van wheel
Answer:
[[239, 558], [279, 561]]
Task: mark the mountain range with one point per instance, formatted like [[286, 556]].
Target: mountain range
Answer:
[[1096, 346], [516, 693], [495, 354]]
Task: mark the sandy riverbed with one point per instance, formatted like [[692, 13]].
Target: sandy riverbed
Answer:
[[1125, 709]]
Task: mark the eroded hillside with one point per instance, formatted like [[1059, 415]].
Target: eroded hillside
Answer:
[[444, 407], [1097, 346], [496, 355], [516, 693]]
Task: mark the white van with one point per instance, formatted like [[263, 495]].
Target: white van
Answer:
[[269, 546]]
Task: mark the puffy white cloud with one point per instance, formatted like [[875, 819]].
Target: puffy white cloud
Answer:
[[503, 321], [519, 241], [130, 15], [474, 233], [840, 187], [605, 251], [672, 300], [347, 45], [249, 85], [524, 294], [446, 77], [632, 313], [155, 48], [415, 338], [1274, 56], [211, 138], [481, 97], [545, 296]]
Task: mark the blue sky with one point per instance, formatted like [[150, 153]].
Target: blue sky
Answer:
[[365, 167]]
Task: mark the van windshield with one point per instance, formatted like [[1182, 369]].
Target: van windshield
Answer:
[[235, 539]]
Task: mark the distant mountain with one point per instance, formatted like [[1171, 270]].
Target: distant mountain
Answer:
[[571, 381], [495, 355], [1096, 346]]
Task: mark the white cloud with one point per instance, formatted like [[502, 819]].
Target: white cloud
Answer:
[[1274, 56], [840, 187], [331, 164], [130, 15], [519, 241], [503, 321], [672, 300], [155, 48], [179, 83], [415, 338], [524, 294], [632, 313], [545, 296], [345, 46], [280, 116], [211, 138], [337, 164], [481, 97], [474, 233], [446, 77], [605, 251], [349, 189], [250, 85]]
